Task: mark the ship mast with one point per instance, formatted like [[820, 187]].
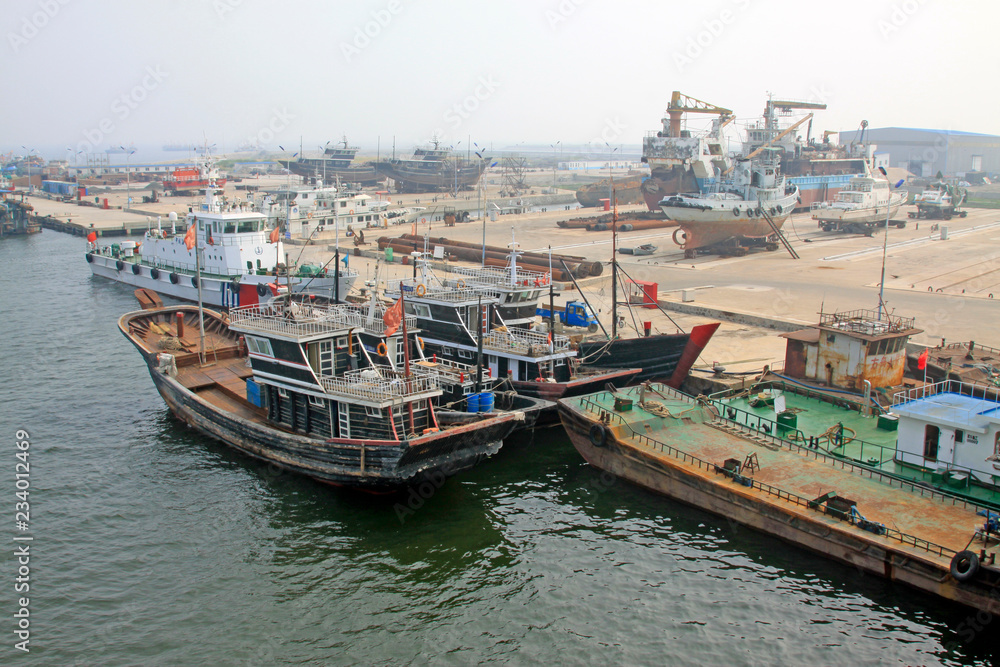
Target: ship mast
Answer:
[[614, 265]]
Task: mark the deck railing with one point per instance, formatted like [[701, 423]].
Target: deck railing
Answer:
[[946, 387], [866, 321], [378, 383], [596, 408], [526, 342], [308, 320]]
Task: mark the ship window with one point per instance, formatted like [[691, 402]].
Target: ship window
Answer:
[[447, 352], [422, 310], [230, 227], [259, 346], [341, 342], [373, 412], [316, 401], [247, 226], [959, 435], [282, 393], [464, 354], [249, 265], [932, 435], [258, 264], [343, 204], [560, 361]]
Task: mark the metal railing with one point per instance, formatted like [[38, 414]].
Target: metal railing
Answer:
[[523, 341], [866, 321], [946, 387], [443, 293], [379, 384], [308, 320], [904, 538], [976, 346], [491, 275]]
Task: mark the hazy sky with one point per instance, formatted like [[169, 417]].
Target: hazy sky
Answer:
[[88, 74]]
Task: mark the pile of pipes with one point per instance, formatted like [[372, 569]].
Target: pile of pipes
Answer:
[[627, 222], [580, 267]]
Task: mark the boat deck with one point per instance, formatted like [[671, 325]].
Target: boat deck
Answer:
[[673, 427], [862, 440]]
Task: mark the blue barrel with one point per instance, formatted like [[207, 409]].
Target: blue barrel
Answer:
[[486, 402], [472, 403]]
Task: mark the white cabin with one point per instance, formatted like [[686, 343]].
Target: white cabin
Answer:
[[947, 426]]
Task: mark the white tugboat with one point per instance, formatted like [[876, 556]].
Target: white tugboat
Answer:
[[867, 200], [751, 203], [242, 262]]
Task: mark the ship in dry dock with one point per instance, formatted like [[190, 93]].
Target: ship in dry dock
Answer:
[[433, 169]]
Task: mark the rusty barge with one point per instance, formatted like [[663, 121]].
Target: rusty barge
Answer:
[[772, 481]]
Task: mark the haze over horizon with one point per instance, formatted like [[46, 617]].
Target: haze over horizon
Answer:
[[553, 73]]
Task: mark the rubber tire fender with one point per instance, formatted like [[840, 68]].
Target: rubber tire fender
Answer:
[[261, 290], [174, 278], [90, 258], [136, 269], [154, 274], [964, 565], [736, 211], [119, 265], [598, 435]]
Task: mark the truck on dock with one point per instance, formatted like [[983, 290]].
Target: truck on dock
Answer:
[[575, 314], [940, 201]]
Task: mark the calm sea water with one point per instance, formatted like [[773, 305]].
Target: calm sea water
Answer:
[[153, 545]]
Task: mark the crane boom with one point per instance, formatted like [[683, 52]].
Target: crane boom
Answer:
[[681, 103]]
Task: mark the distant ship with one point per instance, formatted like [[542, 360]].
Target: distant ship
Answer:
[[681, 161], [432, 169], [198, 177], [626, 191], [180, 147], [335, 163]]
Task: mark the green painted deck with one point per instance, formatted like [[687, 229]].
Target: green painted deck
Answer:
[[674, 427], [862, 442]]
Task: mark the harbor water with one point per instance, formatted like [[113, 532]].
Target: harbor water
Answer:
[[153, 545]]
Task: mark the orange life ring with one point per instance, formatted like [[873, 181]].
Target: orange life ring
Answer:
[[461, 284], [423, 219], [352, 211], [382, 350], [421, 289]]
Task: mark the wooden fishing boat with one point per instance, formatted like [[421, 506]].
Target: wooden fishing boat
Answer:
[[289, 385]]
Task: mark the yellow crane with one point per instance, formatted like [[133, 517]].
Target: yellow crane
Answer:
[[681, 104]]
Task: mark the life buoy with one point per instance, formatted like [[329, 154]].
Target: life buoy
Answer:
[[598, 436], [351, 211], [964, 565], [736, 211], [136, 270], [423, 219], [421, 290], [174, 278], [194, 281], [154, 273], [119, 265], [90, 258], [382, 350], [420, 342], [261, 290], [461, 284]]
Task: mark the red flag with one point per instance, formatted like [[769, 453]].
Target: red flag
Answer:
[[190, 237], [922, 360], [275, 235], [393, 316], [92, 237], [211, 241]]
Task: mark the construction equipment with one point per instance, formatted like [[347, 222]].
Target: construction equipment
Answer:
[[680, 104]]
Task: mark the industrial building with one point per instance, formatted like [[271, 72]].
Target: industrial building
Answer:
[[927, 152]]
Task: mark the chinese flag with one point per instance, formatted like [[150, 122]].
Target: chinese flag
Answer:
[[190, 237], [211, 241], [275, 235], [922, 360], [92, 237], [393, 316]]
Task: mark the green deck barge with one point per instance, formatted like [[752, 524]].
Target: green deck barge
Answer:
[[676, 445]]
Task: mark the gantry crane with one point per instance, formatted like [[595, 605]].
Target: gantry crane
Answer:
[[680, 103]]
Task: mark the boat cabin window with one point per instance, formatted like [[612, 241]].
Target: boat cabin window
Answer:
[[259, 345], [421, 310], [447, 352], [250, 265], [959, 435], [230, 228], [464, 354], [248, 226], [316, 401], [258, 264], [373, 412], [343, 204], [282, 393], [932, 435]]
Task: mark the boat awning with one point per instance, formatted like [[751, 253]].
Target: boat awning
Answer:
[[810, 335]]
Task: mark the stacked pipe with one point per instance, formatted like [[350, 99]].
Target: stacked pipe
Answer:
[[473, 252]]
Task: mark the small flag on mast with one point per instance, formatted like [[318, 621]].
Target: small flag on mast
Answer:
[[190, 237], [922, 360], [275, 235]]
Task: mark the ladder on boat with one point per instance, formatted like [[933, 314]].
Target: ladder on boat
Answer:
[[777, 231]]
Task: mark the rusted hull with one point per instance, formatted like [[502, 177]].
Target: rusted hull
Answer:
[[626, 191], [664, 182], [553, 391], [694, 234], [821, 534]]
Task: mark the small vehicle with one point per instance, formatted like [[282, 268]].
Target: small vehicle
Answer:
[[575, 314]]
